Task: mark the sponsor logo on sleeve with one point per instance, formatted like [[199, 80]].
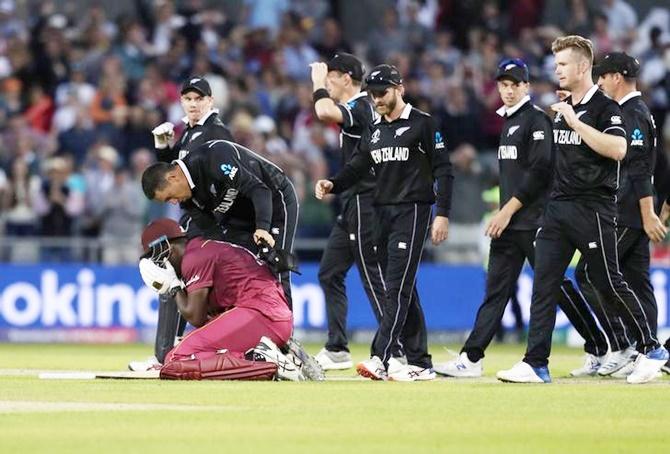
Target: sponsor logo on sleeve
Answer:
[[538, 135], [615, 120], [439, 141], [637, 138], [229, 170]]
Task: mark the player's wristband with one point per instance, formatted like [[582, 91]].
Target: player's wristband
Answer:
[[320, 94]]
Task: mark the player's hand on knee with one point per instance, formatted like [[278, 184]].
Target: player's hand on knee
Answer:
[[654, 228], [439, 230], [161, 279], [322, 188], [261, 234], [163, 134]]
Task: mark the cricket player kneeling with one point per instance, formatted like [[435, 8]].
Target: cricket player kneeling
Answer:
[[233, 299]]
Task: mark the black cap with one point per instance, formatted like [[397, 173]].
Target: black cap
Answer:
[[513, 68], [347, 64], [383, 76], [198, 84], [618, 62]]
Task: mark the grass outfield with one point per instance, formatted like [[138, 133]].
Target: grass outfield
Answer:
[[340, 416]]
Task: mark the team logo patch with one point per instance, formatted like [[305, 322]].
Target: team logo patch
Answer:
[[401, 131], [512, 130], [579, 114], [375, 136], [510, 66], [439, 141], [196, 134], [229, 170], [192, 81], [538, 135], [615, 120], [638, 138]]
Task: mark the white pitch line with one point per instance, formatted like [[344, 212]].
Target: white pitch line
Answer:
[[25, 406]]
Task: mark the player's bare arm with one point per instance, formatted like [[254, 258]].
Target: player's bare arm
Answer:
[[325, 107], [613, 147]]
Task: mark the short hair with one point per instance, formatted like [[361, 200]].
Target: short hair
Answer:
[[577, 43], [153, 178]]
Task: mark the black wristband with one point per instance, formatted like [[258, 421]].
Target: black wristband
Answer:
[[320, 94]]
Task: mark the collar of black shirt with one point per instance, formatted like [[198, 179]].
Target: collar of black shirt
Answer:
[[204, 117], [504, 111]]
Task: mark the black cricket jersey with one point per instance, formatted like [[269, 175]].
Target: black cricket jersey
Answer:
[[357, 114], [581, 173], [640, 161], [210, 127], [409, 159], [229, 181], [525, 160]]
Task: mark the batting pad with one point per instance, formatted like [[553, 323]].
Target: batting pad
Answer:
[[87, 375]]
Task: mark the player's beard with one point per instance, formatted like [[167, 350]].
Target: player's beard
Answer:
[[388, 107]]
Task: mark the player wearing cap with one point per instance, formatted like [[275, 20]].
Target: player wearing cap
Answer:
[[637, 222], [233, 300], [525, 159], [202, 124], [581, 212], [338, 98], [413, 172]]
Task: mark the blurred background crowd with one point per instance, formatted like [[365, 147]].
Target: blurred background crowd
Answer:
[[83, 84]]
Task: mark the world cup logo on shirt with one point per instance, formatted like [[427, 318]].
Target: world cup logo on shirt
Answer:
[[375, 136]]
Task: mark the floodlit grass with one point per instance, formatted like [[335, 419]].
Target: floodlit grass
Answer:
[[340, 416]]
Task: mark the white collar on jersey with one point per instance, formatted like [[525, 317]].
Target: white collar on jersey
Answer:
[[360, 94], [403, 115], [630, 95], [589, 94], [512, 110], [204, 117], [183, 168]]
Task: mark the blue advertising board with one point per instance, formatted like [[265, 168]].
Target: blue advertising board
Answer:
[[110, 304]]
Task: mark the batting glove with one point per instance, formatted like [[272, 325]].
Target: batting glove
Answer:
[[162, 280], [163, 133]]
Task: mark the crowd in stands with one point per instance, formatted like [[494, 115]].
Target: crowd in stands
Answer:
[[80, 92]]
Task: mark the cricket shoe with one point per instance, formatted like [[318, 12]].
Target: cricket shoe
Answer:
[[150, 363], [626, 370], [334, 360], [617, 360], [591, 365], [372, 368], [460, 367], [397, 371], [666, 367], [648, 366], [266, 350], [523, 372], [310, 367]]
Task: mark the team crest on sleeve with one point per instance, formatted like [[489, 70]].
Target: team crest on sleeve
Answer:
[[439, 141], [375, 136], [637, 138], [229, 170]]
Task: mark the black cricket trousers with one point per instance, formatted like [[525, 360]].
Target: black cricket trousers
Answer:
[[590, 227], [352, 240], [403, 229]]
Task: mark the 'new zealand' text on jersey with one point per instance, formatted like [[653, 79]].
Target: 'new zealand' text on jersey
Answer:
[[581, 173], [357, 114], [221, 172], [525, 160], [409, 158], [640, 161]]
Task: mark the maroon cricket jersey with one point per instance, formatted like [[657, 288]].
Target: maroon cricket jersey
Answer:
[[236, 277]]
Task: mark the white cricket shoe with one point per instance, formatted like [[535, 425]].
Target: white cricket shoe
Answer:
[[460, 367], [591, 365], [523, 372], [266, 350], [151, 363], [626, 370], [397, 371], [334, 360], [648, 367], [372, 368], [617, 360]]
